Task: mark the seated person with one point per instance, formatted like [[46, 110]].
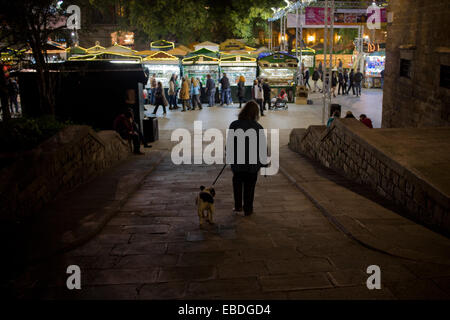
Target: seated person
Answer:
[[123, 124], [281, 98], [283, 95]]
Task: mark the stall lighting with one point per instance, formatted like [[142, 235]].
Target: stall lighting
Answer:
[[124, 61], [311, 38]]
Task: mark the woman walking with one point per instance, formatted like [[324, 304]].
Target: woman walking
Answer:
[[258, 95], [241, 90], [160, 98], [245, 174]]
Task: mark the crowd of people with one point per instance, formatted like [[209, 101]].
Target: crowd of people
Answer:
[[188, 93], [341, 79]]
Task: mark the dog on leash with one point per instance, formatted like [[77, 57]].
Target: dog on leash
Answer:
[[205, 204]]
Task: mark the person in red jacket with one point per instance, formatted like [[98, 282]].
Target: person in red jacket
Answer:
[[363, 118]]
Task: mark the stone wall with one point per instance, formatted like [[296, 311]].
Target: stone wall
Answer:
[[348, 147], [419, 34], [68, 159]]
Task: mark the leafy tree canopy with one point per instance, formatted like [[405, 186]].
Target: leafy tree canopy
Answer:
[[193, 20]]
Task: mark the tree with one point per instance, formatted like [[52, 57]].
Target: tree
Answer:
[[31, 22], [185, 21]]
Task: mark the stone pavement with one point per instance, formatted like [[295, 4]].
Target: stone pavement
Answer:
[[297, 116], [154, 249], [77, 216]]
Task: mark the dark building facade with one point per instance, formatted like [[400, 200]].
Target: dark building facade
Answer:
[[417, 87]]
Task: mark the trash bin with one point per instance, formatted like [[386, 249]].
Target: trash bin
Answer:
[[151, 130], [335, 107]]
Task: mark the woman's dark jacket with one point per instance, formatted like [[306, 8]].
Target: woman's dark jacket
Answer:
[[256, 143]]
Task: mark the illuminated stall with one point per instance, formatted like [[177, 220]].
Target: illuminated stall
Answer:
[[163, 65], [279, 69], [373, 67], [75, 51], [235, 65], [162, 45], [96, 49], [108, 56], [308, 57], [199, 63]]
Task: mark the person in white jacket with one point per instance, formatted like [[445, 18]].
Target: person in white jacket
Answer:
[[258, 95]]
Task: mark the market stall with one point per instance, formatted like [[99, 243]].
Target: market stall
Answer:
[[108, 56], [163, 65], [235, 65], [96, 49], [373, 67], [308, 58], [162, 45], [199, 64], [75, 51], [279, 69]]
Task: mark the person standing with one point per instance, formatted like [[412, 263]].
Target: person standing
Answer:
[[258, 95], [172, 93], [241, 90], [210, 91], [334, 82], [382, 79], [320, 70], [160, 99], [358, 82], [267, 90], [195, 91], [153, 86], [351, 82], [341, 86], [13, 91], [185, 93], [226, 91], [345, 81], [307, 78], [245, 174], [315, 78], [340, 66], [177, 90], [201, 90]]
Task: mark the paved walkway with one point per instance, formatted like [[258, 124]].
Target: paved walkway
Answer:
[[154, 249], [297, 116]]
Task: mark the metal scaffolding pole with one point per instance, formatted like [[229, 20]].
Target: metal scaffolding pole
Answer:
[[328, 51], [324, 78]]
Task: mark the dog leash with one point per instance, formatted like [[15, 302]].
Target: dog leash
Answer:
[[220, 173]]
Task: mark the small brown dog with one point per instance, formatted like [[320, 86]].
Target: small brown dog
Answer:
[[205, 202]]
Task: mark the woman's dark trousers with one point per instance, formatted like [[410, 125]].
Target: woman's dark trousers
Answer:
[[266, 100], [157, 106], [247, 182], [261, 107]]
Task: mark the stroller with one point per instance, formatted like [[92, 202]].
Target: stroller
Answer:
[[278, 103]]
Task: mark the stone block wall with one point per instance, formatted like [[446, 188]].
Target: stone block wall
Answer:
[[419, 33], [68, 159], [342, 147]]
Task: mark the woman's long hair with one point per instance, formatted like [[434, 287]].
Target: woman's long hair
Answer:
[[250, 111]]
